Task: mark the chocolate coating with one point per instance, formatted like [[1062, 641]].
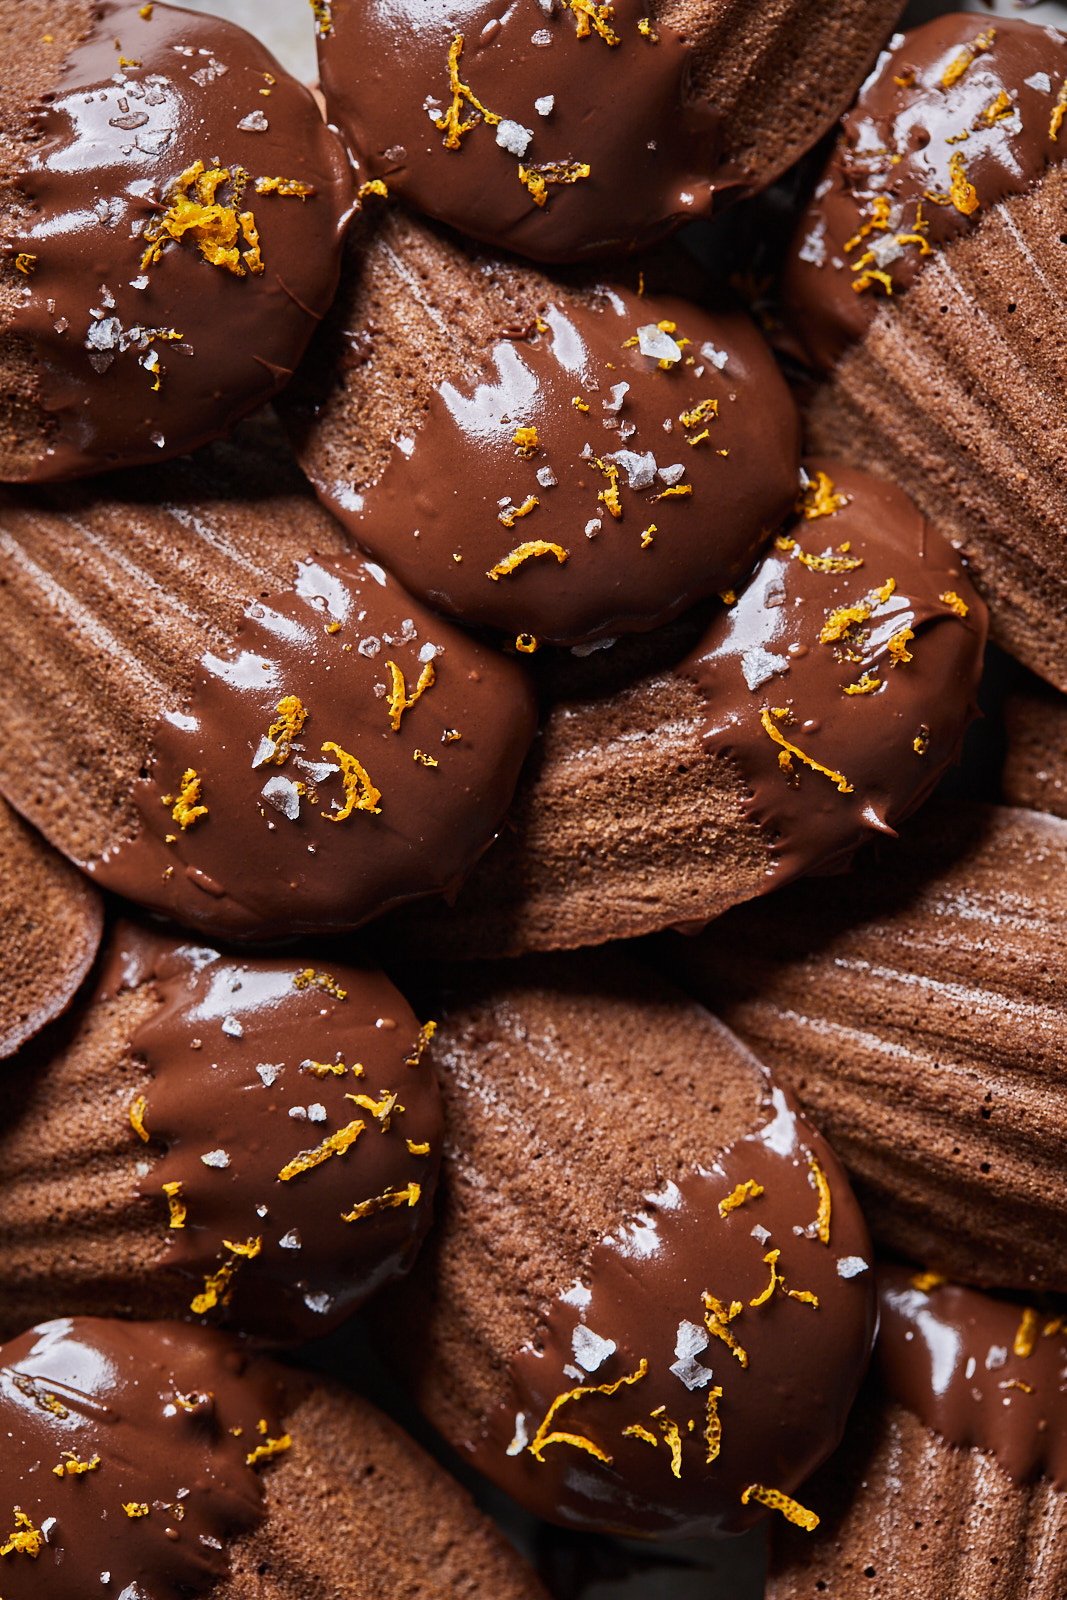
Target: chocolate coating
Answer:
[[619, 109], [143, 349], [988, 134], [793, 644], [160, 1416], [689, 517], [641, 1305], [956, 1359], [238, 1058], [268, 860]]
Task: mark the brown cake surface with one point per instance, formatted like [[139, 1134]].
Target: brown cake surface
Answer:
[[509, 128], [916, 1010], [52, 920], [164, 179], [583, 856], [1035, 762], [252, 1141], [916, 1519], [356, 1508], [32, 70], [616, 1167]]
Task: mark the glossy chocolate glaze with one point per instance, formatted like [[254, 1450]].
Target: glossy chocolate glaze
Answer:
[[267, 860], [985, 1374], [581, 90], [657, 488], [986, 133], [126, 1456], [142, 357], [788, 646], [640, 1314], [251, 1065]]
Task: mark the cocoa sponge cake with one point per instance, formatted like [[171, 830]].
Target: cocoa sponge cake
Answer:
[[50, 926], [159, 1460], [172, 214], [220, 712], [917, 1013], [249, 1141], [818, 709], [578, 129], [561, 461], [639, 1240], [951, 1482], [926, 280], [1035, 761]]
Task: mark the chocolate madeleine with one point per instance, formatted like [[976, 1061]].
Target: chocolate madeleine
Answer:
[[50, 926], [254, 1142], [639, 1243], [819, 708], [563, 463], [927, 278], [160, 1460], [218, 711], [917, 1014], [617, 125], [950, 1482], [172, 208]]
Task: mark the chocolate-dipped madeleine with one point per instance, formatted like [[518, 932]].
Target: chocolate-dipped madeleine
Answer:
[[927, 278], [51, 920], [252, 1141], [646, 1305], [579, 129], [820, 707], [221, 713], [171, 219], [918, 1016], [158, 1460], [950, 1484], [562, 462]]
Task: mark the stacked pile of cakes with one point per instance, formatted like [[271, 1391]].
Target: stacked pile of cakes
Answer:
[[533, 616]]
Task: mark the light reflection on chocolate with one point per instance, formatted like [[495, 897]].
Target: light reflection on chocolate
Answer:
[[958, 115], [373, 792], [148, 352], [590, 102], [689, 1426], [617, 462], [985, 1374]]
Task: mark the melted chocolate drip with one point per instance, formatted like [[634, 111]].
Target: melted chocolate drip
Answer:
[[919, 160], [605, 128], [768, 1422], [125, 1466], [656, 485], [251, 1066], [273, 855], [786, 655], [139, 358], [985, 1374]]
